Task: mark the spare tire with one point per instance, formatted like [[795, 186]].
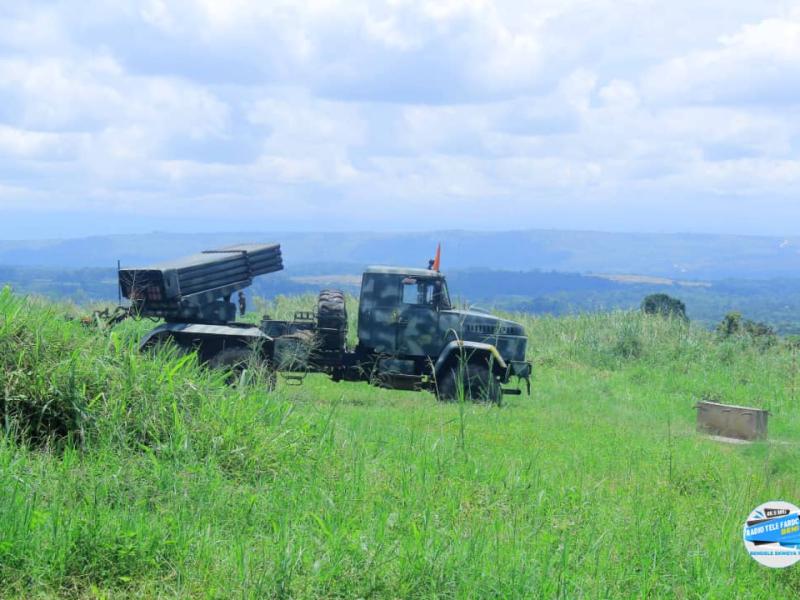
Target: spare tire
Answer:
[[332, 320]]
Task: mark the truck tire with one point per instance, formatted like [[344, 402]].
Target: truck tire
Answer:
[[235, 361], [332, 320], [478, 384], [158, 344], [231, 358]]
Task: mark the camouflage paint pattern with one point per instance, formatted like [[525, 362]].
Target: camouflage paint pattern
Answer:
[[198, 288], [393, 323], [405, 316]]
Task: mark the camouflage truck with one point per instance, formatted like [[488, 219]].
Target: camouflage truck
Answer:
[[410, 336]]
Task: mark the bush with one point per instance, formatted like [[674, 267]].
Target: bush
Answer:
[[64, 384], [46, 375], [629, 343], [734, 325], [665, 306]]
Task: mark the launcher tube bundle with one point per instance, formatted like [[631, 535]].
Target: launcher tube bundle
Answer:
[[197, 288]]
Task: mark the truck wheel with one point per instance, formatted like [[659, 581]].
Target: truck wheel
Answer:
[[478, 384], [234, 360], [332, 320], [165, 341]]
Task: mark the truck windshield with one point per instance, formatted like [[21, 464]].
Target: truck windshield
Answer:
[[426, 292]]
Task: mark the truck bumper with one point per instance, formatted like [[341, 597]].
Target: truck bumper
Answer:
[[520, 369]]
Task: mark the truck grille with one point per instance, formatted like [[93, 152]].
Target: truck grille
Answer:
[[493, 329]]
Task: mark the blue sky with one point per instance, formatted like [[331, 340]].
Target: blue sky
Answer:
[[323, 115]]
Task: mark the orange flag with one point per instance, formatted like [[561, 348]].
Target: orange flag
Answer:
[[437, 262]]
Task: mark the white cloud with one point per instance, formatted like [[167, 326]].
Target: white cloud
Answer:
[[69, 94], [384, 110], [758, 64], [620, 94], [19, 143]]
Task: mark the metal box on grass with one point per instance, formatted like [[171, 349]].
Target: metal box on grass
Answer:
[[727, 420]]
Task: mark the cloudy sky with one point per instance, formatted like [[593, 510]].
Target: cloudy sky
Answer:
[[206, 115]]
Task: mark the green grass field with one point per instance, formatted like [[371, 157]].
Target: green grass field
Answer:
[[172, 484]]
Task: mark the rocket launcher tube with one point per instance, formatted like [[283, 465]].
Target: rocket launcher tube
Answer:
[[181, 289]]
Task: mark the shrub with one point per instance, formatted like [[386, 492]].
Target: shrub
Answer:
[[734, 325], [64, 384], [46, 375], [629, 342], [665, 306]]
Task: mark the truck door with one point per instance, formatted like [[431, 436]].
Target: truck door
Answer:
[[378, 314], [418, 318]]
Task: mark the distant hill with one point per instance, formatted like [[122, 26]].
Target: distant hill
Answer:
[[542, 272], [775, 301], [674, 256]]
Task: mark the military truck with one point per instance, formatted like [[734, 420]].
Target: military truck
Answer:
[[409, 334]]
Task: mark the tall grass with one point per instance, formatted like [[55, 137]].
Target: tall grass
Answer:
[[132, 475]]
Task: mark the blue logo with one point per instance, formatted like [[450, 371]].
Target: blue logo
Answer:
[[772, 534]]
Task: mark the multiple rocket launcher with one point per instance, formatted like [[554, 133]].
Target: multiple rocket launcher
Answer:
[[198, 288], [193, 295]]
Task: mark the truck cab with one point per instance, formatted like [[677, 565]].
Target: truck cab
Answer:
[[406, 316], [399, 311]]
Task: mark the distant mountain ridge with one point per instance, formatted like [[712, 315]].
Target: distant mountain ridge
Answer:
[[774, 301], [675, 256]]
